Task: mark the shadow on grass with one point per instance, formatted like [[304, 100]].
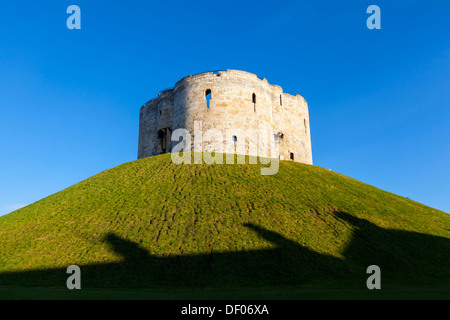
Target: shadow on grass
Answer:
[[404, 257]]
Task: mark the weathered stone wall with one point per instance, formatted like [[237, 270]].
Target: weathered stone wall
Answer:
[[241, 105]]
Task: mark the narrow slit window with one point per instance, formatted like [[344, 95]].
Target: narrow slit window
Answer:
[[254, 101], [234, 142], [304, 122], [207, 97], [281, 100]]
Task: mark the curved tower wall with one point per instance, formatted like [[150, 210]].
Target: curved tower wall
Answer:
[[241, 105]]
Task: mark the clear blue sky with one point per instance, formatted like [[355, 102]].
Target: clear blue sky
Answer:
[[379, 100]]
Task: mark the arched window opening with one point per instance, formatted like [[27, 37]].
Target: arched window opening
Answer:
[[234, 142], [254, 101], [207, 97], [291, 156]]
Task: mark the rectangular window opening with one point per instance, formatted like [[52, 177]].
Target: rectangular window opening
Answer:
[[208, 97]]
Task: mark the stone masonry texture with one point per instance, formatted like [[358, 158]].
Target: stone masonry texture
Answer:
[[242, 112]]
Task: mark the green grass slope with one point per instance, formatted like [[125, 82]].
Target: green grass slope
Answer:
[[153, 224]]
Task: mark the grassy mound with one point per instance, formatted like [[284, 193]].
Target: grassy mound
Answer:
[[151, 223]]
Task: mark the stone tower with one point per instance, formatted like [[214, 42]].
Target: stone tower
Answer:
[[229, 101]]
